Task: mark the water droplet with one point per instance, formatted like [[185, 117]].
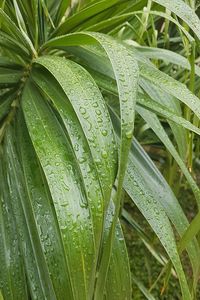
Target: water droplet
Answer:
[[97, 161], [76, 147], [104, 132], [82, 110], [104, 154], [98, 112], [129, 134], [82, 160]]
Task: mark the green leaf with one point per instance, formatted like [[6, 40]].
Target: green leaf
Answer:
[[143, 289], [103, 68], [88, 127], [69, 113], [184, 11], [165, 104], [126, 73], [38, 278], [170, 103], [171, 86], [1, 297], [145, 238], [160, 109], [167, 56], [152, 195], [5, 103], [5, 62], [85, 14], [170, 203], [156, 126], [123, 74], [20, 19], [64, 181], [118, 281], [63, 6], [156, 216], [12, 275], [7, 42], [46, 13], [9, 76], [147, 71], [90, 111], [112, 22], [145, 101], [36, 21], [43, 219], [190, 233], [12, 29]]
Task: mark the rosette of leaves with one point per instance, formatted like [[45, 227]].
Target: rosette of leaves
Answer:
[[65, 151]]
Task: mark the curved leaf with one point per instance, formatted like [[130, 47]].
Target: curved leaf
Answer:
[[126, 72], [143, 181], [184, 11], [64, 181], [37, 277], [12, 29], [190, 233], [145, 101], [156, 216], [12, 266], [91, 113], [84, 14], [171, 86], [171, 206], [167, 56], [114, 21], [170, 102], [120, 282], [5, 103], [155, 124], [9, 76], [39, 203], [7, 42]]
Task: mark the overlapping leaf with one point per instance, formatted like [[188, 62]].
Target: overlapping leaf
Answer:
[[61, 173], [12, 266], [126, 74], [184, 11], [64, 180]]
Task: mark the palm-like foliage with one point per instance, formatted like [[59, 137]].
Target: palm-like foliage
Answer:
[[66, 151]]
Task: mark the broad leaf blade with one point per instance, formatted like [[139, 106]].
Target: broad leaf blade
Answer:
[[12, 266], [126, 74], [38, 279], [120, 282], [91, 113], [63, 177], [45, 222]]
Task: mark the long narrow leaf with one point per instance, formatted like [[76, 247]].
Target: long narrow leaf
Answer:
[[12, 266], [184, 11], [64, 180], [39, 203], [120, 282]]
